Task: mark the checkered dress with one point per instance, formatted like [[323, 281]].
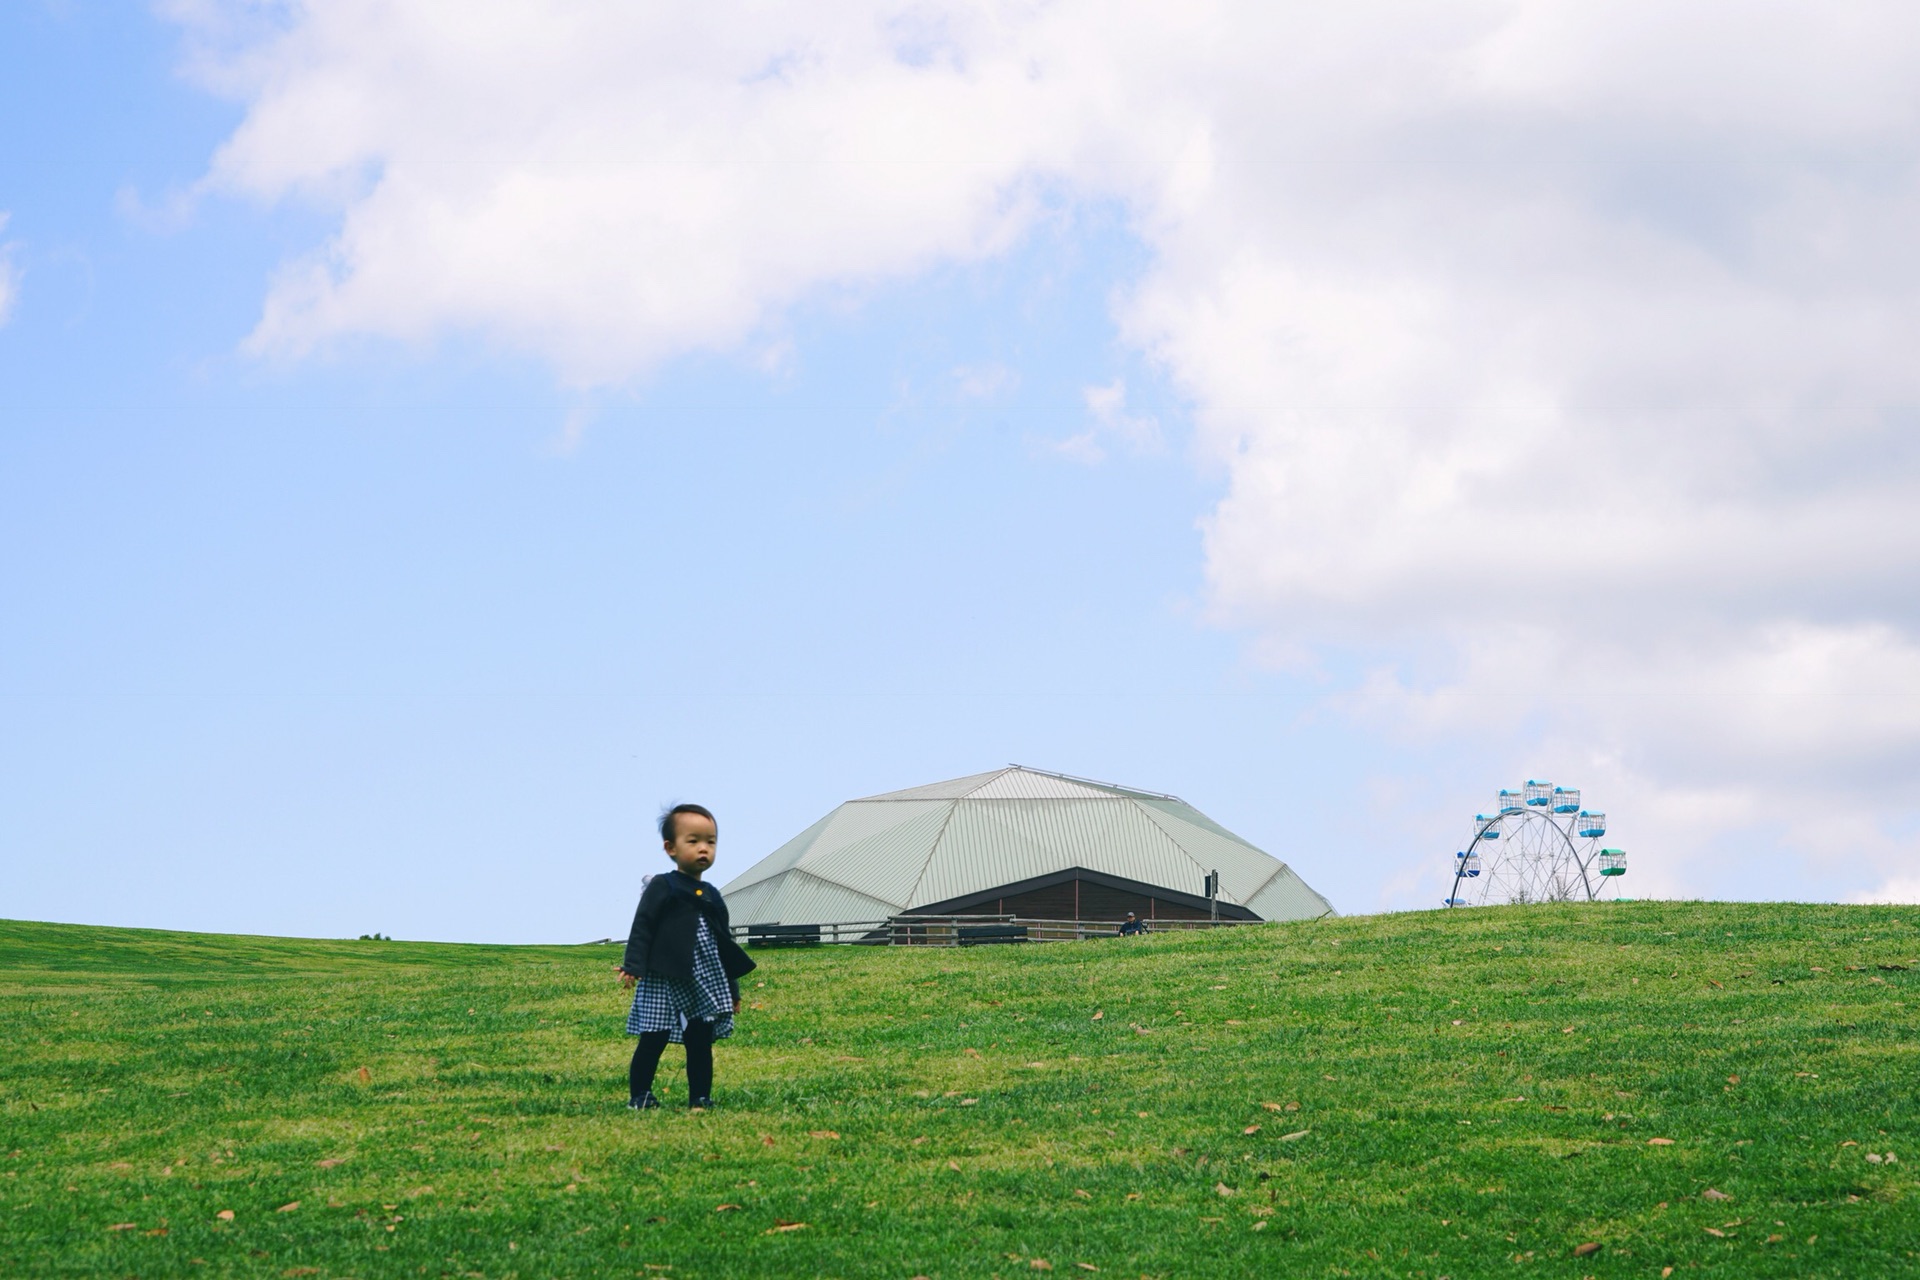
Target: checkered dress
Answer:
[[665, 1004]]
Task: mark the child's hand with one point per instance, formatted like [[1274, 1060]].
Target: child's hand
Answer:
[[626, 979]]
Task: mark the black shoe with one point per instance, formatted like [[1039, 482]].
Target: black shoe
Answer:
[[700, 1104], [645, 1102]]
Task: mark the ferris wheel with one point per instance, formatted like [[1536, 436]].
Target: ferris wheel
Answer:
[[1538, 845]]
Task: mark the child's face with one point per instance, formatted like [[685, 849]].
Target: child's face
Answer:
[[694, 844]]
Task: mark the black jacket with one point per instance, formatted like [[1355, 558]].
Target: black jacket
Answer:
[[661, 941]]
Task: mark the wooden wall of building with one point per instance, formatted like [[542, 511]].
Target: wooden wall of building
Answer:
[[1085, 900]]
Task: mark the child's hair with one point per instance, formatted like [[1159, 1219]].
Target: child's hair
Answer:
[[667, 826]]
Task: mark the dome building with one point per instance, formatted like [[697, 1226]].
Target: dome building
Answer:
[[1020, 842]]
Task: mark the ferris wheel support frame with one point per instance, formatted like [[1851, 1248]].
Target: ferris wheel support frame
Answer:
[[1566, 838]]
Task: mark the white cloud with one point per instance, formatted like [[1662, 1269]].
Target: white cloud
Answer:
[[9, 273], [1108, 406], [989, 381], [1084, 448], [1903, 889], [609, 186], [1559, 356], [1558, 365], [1111, 424]]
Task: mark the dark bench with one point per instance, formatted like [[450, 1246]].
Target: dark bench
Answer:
[[979, 935], [783, 935]]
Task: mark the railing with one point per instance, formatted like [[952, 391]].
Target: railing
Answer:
[[951, 931]]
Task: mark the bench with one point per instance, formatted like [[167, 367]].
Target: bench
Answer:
[[980, 935], [783, 935]]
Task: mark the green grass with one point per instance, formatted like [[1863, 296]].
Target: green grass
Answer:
[[1476, 1093]]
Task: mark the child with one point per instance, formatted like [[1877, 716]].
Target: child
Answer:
[[685, 961]]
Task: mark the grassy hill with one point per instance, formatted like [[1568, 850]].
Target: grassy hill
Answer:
[[1686, 1086]]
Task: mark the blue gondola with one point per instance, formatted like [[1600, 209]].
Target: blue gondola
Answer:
[[1467, 864], [1489, 825], [1566, 799], [1454, 902], [1613, 862], [1591, 825], [1511, 802], [1539, 794]]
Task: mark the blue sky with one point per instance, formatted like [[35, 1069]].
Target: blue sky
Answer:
[[404, 601]]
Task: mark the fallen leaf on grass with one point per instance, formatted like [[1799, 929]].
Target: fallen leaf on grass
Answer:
[[1665, 1272], [1775, 1239], [1250, 1130], [822, 1133], [124, 1226], [1272, 1106], [954, 1165], [1041, 1264], [1715, 1231], [766, 1139], [969, 1102], [1260, 1226], [1295, 1137], [330, 1162], [1086, 1266], [1133, 1195], [1659, 1142], [779, 1226], [1566, 1031], [366, 1076], [1084, 1195], [225, 1215], [971, 1053], [1098, 1014], [722, 1208], [301, 1271], [1221, 1188], [1711, 982], [288, 1207], [1582, 1250], [1714, 1193], [918, 1141], [158, 1231]]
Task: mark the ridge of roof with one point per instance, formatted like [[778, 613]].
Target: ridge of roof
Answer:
[[1095, 782], [967, 785]]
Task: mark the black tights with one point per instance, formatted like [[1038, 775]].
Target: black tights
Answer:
[[646, 1059]]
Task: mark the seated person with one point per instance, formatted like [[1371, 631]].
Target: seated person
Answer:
[[1131, 925]]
